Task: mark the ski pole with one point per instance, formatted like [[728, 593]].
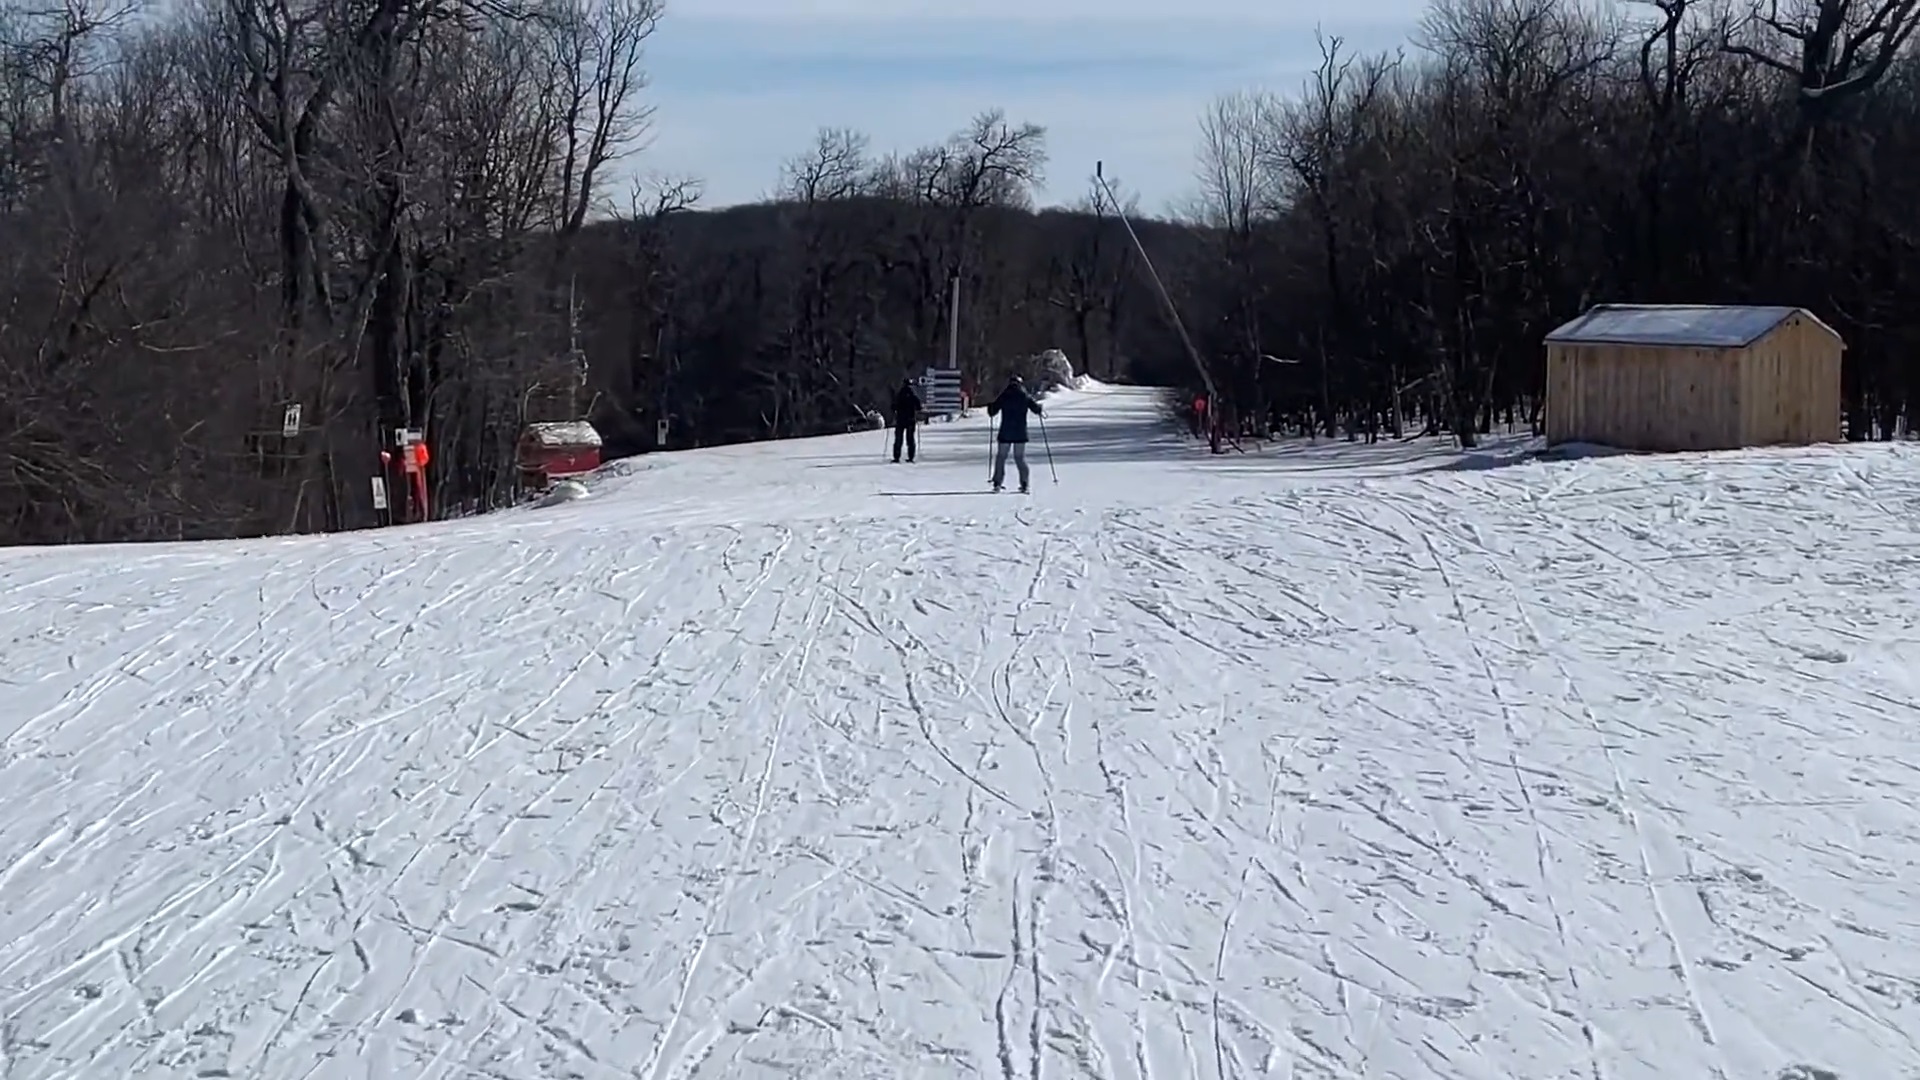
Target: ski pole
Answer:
[[991, 424], [1048, 443]]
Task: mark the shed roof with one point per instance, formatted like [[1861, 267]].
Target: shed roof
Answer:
[[1705, 326], [565, 433]]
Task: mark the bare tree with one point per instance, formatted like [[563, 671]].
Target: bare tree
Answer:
[[598, 48], [837, 166], [1832, 49], [1235, 187], [1086, 280]]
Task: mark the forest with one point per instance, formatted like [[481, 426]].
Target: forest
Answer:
[[410, 214]]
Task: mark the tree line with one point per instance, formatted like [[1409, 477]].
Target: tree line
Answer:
[[800, 315], [1408, 227], [404, 214]]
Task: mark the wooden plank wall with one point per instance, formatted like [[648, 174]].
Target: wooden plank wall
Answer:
[[1790, 387], [1643, 398]]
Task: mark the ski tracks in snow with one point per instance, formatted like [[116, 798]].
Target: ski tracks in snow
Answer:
[[1533, 772]]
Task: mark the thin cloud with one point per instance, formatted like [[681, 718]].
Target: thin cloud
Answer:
[[739, 88], [1086, 13]]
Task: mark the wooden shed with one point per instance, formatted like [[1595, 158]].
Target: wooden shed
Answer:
[[1693, 377]]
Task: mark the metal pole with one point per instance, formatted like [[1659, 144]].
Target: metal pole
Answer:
[[1048, 443], [991, 446], [953, 329], [1206, 377]]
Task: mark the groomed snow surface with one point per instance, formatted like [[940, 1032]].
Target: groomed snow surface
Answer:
[[783, 760]]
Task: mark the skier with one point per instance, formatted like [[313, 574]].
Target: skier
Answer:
[[1012, 407], [906, 415]]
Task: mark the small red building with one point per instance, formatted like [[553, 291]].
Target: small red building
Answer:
[[551, 451]]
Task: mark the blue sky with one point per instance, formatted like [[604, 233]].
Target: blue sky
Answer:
[[742, 85]]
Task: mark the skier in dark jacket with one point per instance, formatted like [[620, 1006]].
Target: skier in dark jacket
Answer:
[[1012, 407], [906, 418]]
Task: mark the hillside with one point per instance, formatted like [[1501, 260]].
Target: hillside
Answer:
[[775, 760]]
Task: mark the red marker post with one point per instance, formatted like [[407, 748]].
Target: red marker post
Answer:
[[415, 461]]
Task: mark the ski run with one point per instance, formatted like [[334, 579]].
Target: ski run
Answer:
[[787, 761]]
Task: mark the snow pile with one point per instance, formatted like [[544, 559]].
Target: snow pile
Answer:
[[563, 491], [784, 760], [1051, 371]]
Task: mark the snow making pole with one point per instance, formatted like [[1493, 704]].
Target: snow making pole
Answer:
[[953, 328], [1206, 377]]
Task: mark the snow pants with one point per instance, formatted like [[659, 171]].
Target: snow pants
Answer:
[[907, 434], [1019, 452]]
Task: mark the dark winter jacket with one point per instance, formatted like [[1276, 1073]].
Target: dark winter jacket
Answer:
[[906, 406], [1012, 407]]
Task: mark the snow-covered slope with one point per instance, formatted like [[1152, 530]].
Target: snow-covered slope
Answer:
[[782, 761]]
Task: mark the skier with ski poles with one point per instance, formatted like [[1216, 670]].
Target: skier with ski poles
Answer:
[[1012, 407], [906, 418]]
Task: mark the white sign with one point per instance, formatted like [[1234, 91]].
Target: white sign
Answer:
[[660, 433], [290, 424], [379, 493]]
